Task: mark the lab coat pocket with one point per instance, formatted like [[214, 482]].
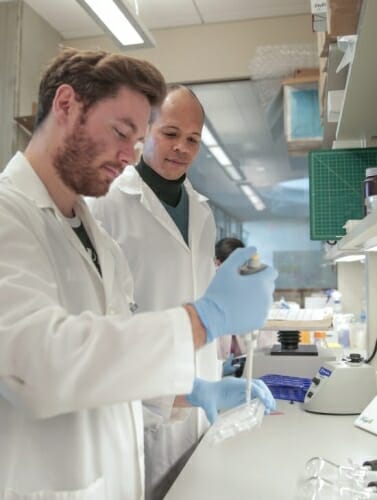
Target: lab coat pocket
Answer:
[[96, 491]]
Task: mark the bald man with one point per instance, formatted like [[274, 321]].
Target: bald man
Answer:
[[167, 233]]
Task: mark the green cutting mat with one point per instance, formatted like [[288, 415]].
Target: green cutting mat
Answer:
[[336, 189]]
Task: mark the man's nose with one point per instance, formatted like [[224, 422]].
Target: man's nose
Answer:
[[181, 146], [126, 154]]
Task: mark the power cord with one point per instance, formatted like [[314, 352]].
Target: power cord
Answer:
[[373, 353]]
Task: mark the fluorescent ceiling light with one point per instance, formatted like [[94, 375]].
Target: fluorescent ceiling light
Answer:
[[217, 151], [119, 22], [207, 137], [253, 197], [351, 258], [371, 249], [233, 172], [247, 190], [220, 155]]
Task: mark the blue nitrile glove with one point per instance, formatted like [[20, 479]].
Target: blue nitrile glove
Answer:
[[227, 393], [228, 367], [234, 303]]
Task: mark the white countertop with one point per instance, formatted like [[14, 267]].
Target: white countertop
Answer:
[[266, 463]]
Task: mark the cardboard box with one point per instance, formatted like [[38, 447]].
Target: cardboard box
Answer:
[[302, 76], [342, 17], [323, 43], [322, 93], [323, 64], [319, 15]]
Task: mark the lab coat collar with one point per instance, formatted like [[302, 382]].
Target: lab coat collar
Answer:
[[25, 179], [130, 182]]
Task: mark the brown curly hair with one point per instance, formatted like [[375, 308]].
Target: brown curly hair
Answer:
[[96, 75]]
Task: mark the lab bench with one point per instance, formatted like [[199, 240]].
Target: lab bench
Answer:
[[267, 463]]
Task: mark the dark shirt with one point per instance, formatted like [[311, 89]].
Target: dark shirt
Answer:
[[171, 193]]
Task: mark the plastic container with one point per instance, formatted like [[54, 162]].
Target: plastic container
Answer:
[[358, 336], [336, 297], [240, 419], [370, 190], [358, 333], [320, 339], [305, 337]]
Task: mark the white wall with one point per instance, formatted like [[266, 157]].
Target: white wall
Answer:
[[189, 54], [27, 43], [214, 51], [9, 49], [39, 43], [287, 246], [351, 284], [278, 235]]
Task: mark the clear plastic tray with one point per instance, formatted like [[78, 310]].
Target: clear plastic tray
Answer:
[[232, 422]]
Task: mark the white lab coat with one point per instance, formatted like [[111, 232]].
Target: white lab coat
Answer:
[[72, 361], [167, 272]]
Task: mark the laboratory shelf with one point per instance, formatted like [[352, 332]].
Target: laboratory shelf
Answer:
[[336, 80], [362, 237], [334, 253]]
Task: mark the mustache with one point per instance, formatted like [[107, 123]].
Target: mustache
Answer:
[[115, 164]]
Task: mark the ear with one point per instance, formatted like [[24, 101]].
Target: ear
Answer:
[[65, 104]]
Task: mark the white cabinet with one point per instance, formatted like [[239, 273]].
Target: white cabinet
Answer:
[[358, 116], [362, 239]]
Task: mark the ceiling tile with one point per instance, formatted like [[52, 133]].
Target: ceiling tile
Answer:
[[159, 14], [67, 17]]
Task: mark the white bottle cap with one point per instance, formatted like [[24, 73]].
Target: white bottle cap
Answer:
[[371, 171]]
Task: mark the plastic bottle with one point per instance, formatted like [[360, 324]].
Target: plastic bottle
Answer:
[[370, 190], [283, 304], [358, 333], [342, 322], [320, 340], [337, 301]]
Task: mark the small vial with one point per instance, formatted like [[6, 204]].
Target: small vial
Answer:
[[320, 340], [370, 190]]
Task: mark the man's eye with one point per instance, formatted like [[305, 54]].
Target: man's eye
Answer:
[[170, 134], [193, 140], [119, 134]]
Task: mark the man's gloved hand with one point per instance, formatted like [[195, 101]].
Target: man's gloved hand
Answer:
[[234, 303], [228, 367], [227, 393]]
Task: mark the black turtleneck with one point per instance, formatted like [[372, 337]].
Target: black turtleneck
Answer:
[[167, 191]]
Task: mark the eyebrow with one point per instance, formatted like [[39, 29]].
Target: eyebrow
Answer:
[[131, 124], [177, 128]]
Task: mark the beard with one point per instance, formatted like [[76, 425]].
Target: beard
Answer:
[[76, 166]]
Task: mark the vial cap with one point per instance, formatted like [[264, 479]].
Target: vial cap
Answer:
[[371, 171], [319, 335]]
